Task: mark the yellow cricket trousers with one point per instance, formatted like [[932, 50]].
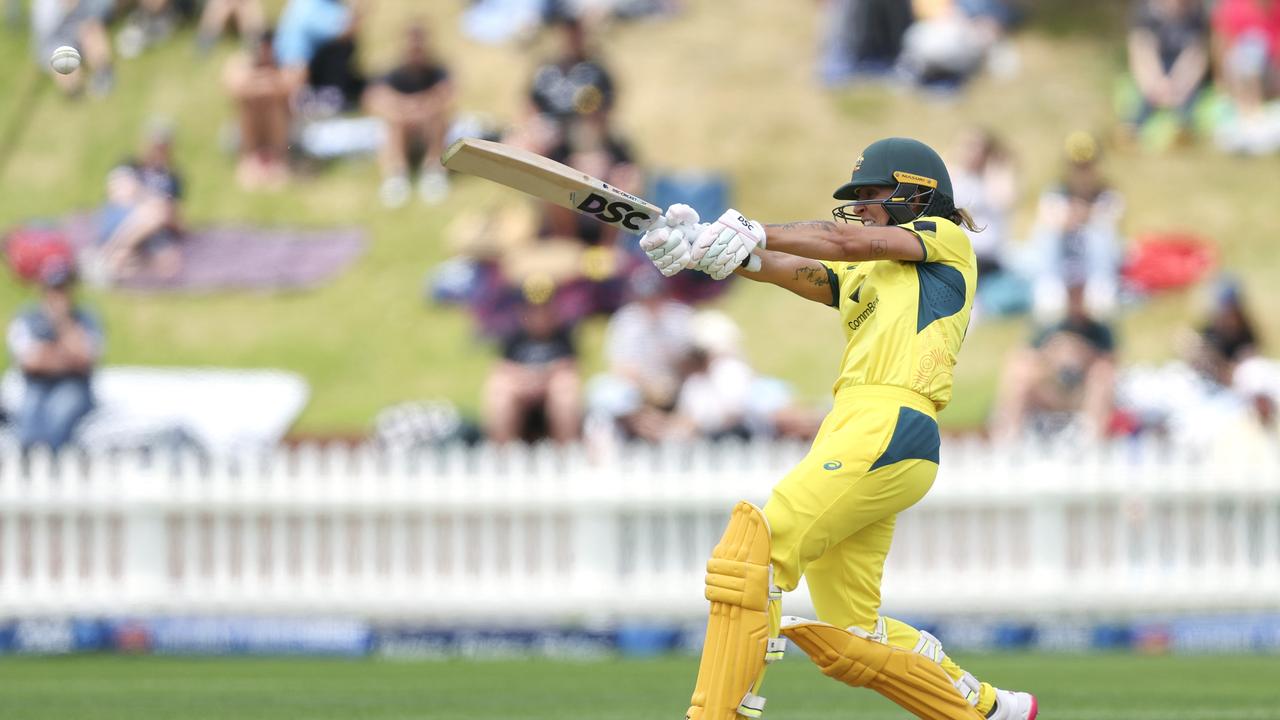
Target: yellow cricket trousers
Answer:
[[831, 518]]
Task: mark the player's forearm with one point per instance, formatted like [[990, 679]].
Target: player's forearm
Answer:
[[807, 278], [840, 242]]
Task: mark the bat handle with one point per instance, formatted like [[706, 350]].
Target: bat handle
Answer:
[[753, 264]]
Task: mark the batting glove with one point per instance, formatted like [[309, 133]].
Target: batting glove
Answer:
[[724, 245], [669, 244]]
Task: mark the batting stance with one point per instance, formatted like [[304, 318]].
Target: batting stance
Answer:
[[903, 278]]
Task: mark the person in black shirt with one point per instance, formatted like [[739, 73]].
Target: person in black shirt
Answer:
[[140, 225], [572, 85], [56, 343], [535, 389], [1066, 375], [1225, 340], [1168, 56], [415, 100], [589, 146]]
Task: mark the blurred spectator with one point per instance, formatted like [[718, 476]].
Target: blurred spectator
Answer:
[[140, 225], [863, 37], [55, 343], [986, 184], [1227, 339], [645, 344], [81, 24], [588, 146], [573, 84], [1247, 54], [415, 101], [1257, 380], [722, 396], [1220, 393], [260, 89], [535, 390], [147, 23], [1168, 58], [1075, 239], [951, 40], [316, 44], [218, 15], [1065, 379], [715, 390]]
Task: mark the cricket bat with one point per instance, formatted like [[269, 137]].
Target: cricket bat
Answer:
[[556, 183]]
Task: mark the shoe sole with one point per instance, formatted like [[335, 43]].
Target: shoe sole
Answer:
[[1035, 709]]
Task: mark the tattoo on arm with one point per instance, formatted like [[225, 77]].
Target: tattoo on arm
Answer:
[[814, 276], [879, 248], [823, 225]]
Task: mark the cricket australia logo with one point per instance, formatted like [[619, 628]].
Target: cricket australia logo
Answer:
[[832, 465]]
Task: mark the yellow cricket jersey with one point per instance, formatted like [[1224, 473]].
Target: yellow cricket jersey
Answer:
[[905, 320]]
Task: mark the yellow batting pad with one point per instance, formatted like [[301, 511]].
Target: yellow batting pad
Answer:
[[733, 656], [909, 679]]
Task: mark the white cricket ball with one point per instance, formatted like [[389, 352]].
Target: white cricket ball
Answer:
[[65, 60]]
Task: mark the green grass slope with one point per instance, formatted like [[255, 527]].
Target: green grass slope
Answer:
[[750, 108]]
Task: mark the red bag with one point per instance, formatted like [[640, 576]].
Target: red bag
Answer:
[[32, 252], [1165, 261]]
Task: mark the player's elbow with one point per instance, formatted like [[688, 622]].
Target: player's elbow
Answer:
[[847, 249]]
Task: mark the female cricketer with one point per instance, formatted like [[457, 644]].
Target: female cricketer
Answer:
[[903, 278]]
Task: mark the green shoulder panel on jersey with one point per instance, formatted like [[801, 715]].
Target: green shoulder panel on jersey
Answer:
[[942, 292]]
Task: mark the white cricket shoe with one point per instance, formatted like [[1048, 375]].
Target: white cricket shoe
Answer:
[[433, 186], [1014, 706], [395, 191]]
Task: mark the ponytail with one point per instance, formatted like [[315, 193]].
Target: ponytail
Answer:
[[961, 217]]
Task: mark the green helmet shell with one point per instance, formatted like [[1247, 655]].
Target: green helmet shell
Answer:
[[915, 171]]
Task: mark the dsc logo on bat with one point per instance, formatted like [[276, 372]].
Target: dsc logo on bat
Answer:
[[612, 212]]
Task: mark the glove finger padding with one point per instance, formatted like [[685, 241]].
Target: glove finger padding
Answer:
[[680, 215], [655, 240], [709, 245], [728, 262], [673, 262]]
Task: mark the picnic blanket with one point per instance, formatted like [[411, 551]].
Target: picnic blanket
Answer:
[[227, 257]]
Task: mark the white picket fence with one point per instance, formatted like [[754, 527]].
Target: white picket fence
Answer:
[[546, 534]]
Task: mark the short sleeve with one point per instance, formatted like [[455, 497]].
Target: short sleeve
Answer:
[[20, 339], [1103, 339], [1140, 17], [834, 275], [941, 240], [93, 328]]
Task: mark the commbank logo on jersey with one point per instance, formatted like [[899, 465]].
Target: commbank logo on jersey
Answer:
[[616, 212], [867, 312]]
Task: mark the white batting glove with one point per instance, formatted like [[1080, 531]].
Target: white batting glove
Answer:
[[725, 244], [668, 244]]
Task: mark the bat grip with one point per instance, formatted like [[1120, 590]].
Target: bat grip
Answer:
[[753, 263]]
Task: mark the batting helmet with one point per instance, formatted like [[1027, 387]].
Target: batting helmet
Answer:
[[920, 180]]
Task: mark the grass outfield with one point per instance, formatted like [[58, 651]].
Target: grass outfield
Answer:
[[1104, 687]]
